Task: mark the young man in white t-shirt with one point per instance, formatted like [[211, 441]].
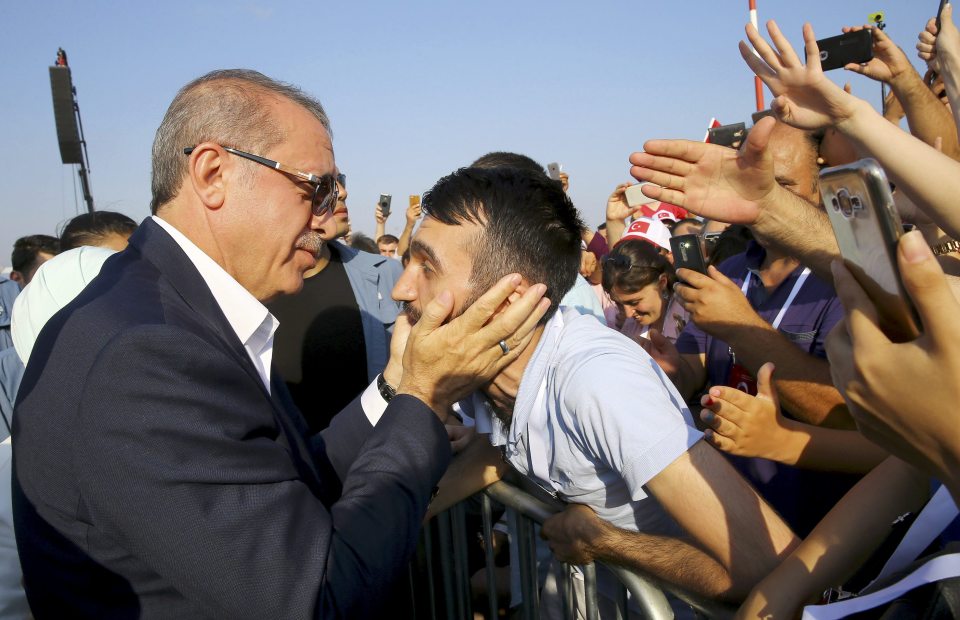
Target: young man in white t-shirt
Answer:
[[583, 411]]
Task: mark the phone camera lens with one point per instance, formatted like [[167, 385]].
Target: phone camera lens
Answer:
[[846, 206], [855, 201], [835, 203]]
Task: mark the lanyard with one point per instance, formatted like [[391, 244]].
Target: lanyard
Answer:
[[793, 294]]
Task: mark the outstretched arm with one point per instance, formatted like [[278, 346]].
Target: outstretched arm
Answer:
[[928, 118], [738, 187], [753, 426], [807, 99], [841, 542]]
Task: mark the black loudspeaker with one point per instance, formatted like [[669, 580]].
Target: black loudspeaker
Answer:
[[68, 134]]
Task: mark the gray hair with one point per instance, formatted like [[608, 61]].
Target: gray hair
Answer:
[[226, 107]]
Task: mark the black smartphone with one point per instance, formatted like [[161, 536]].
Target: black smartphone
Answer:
[[939, 11], [687, 253], [852, 47], [756, 116], [867, 225], [731, 135], [385, 204]]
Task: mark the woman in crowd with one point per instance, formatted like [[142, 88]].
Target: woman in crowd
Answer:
[[639, 279]]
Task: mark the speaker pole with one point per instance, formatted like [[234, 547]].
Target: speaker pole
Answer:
[[66, 113]]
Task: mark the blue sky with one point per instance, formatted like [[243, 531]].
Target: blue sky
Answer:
[[414, 90]]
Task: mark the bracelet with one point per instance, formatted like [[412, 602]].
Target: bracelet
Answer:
[[946, 248], [387, 391]]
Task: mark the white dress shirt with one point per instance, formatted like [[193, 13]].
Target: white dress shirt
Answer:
[[250, 319]]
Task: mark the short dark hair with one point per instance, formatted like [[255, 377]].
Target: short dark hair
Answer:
[[387, 239], [360, 241], [26, 249], [90, 228], [634, 264], [529, 224], [505, 159]]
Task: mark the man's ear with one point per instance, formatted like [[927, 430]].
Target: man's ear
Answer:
[[17, 277], [206, 169]]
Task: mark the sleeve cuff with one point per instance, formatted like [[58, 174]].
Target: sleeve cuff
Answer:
[[372, 403]]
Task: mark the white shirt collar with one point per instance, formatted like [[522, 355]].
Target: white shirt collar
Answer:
[[250, 319]]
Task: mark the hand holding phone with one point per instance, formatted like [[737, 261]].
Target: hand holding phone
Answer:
[[687, 253], [865, 221], [852, 47], [635, 197], [384, 203]]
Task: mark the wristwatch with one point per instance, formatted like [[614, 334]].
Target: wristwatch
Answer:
[[945, 248], [387, 391]]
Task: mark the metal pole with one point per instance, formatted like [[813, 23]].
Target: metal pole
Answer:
[[757, 84], [590, 591], [491, 569]]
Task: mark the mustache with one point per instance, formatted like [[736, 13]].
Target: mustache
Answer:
[[412, 313], [310, 241]]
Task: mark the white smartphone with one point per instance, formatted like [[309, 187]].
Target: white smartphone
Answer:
[[636, 198], [553, 170], [865, 221]]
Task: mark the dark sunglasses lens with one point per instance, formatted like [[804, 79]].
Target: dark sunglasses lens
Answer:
[[342, 179], [324, 196]]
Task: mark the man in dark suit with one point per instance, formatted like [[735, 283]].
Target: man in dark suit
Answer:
[[160, 468]]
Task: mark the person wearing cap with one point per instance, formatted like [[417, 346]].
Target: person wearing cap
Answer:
[[639, 279], [760, 306]]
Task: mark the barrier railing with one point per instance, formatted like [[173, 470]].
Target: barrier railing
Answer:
[[449, 531]]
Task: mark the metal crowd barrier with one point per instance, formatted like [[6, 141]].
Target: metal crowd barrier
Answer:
[[452, 597]]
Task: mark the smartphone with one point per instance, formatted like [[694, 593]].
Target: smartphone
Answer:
[[553, 170], [636, 198], [687, 253], [756, 116], [939, 11], [385, 204], [728, 135], [414, 200], [852, 47], [865, 221]]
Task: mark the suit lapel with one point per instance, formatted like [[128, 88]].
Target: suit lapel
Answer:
[[158, 247]]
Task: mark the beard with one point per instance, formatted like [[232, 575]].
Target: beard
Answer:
[[310, 241], [413, 314]]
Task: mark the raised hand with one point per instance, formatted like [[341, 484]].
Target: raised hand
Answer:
[[715, 303], [746, 425], [889, 62], [805, 97], [900, 394], [617, 207], [710, 180]]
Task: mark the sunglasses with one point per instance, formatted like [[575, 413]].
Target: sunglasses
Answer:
[[325, 190]]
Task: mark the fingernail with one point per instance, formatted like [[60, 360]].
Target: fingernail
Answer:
[[715, 392], [914, 248], [708, 417], [708, 402], [541, 289], [515, 279]]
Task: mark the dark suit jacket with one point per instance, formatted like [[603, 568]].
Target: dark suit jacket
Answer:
[[154, 476]]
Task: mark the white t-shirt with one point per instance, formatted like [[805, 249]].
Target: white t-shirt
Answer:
[[595, 419]]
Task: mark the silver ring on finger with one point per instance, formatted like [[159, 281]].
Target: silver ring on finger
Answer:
[[504, 347]]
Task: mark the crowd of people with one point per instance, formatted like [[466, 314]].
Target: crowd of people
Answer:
[[243, 408]]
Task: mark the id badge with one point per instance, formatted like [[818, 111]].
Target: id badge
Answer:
[[741, 379]]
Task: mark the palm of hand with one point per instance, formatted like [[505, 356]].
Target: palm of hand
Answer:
[[727, 188], [808, 100]]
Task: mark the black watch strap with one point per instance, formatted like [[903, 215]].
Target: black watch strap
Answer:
[[386, 390]]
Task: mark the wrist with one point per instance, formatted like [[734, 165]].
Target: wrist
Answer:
[[393, 374], [788, 441], [851, 122], [905, 83]]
